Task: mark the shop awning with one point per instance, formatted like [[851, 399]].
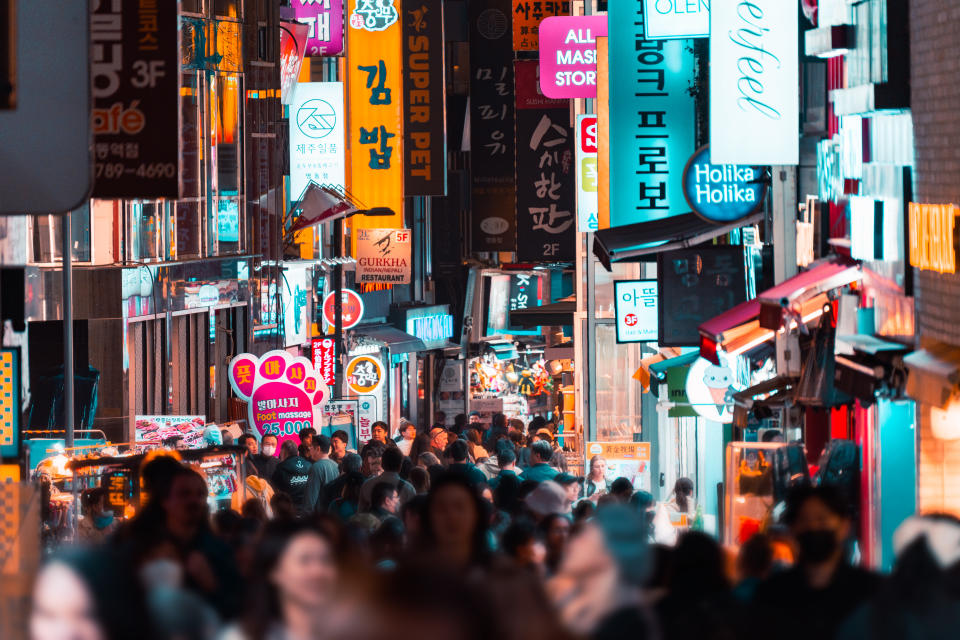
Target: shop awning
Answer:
[[555, 314], [658, 370], [503, 350], [392, 338], [631, 243], [934, 375], [801, 297], [776, 392], [868, 344]]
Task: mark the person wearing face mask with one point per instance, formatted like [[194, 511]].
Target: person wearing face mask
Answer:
[[98, 521], [814, 597], [266, 461]]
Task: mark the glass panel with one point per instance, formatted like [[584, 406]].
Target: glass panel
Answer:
[[191, 6], [144, 230], [191, 160], [226, 133], [228, 224], [188, 216], [227, 8], [47, 239], [618, 395], [603, 289]]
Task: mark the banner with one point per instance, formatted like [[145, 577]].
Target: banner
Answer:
[[527, 16], [754, 83], [546, 186], [603, 133], [324, 352], [293, 42], [134, 73], [325, 20], [282, 392], [317, 145], [492, 144], [425, 118], [294, 296], [652, 119], [383, 255], [568, 55], [587, 176], [375, 108]]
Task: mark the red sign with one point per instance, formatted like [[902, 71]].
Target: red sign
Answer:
[[352, 309], [324, 358], [588, 135]]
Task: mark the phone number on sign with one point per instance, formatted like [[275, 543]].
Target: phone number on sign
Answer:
[[117, 169]]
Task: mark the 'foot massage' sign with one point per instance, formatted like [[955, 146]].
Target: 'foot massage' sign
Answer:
[[283, 393]]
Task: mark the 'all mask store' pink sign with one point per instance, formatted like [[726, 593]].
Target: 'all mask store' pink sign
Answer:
[[568, 55]]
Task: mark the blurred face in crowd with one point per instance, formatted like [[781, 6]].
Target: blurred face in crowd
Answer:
[[391, 502], [573, 492], [380, 434], [269, 445], [187, 503], [63, 607], [339, 447], [252, 446], [410, 432], [598, 469], [306, 574], [819, 532], [558, 533], [453, 516], [372, 466], [474, 419]]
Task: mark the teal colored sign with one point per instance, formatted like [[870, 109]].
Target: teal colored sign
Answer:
[[652, 119]]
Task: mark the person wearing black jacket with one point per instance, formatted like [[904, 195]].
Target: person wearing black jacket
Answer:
[[292, 475], [265, 461]]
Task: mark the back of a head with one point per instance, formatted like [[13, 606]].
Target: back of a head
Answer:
[[322, 442], [473, 436], [428, 459], [622, 488], [755, 558], [457, 451], [521, 532], [351, 463], [372, 449], [158, 475], [801, 494], [698, 565], [420, 479], [642, 500], [288, 449], [506, 457], [542, 449], [392, 459]]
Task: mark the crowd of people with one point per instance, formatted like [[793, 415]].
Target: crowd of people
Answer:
[[422, 537]]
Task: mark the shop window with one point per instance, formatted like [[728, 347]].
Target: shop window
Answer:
[[146, 226], [191, 6], [191, 156], [147, 369], [618, 404], [227, 8], [188, 216], [225, 225], [46, 239]]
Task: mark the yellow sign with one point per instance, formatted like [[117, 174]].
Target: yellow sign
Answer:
[[619, 450], [375, 111], [9, 402], [933, 237], [364, 374], [603, 135]]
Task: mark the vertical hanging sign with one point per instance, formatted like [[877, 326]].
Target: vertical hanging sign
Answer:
[[424, 119], [546, 186], [492, 143], [754, 83], [586, 171], [135, 64], [652, 123], [375, 109], [527, 16], [325, 20], [316, 136]]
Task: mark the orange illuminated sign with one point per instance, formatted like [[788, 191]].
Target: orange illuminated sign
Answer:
[[603, 135], [933, 238], [375, 111]]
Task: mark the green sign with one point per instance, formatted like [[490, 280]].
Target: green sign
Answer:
[[677, 393]]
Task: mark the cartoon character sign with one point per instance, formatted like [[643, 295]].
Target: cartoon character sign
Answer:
[[283, 393], [710, 389]]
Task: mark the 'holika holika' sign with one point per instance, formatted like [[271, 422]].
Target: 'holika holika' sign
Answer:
[[722, 193], [282, 392]]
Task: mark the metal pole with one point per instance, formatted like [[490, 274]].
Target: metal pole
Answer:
[[338, 307], [67, 235]]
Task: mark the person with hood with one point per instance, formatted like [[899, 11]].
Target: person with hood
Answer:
[[292, 476], [812, 599]]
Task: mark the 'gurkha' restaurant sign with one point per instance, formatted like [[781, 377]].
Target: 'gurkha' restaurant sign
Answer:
[[134, 67], [424, 124], [651, 130], [383, 256], [493, 195], [546, 185], [568, 55]]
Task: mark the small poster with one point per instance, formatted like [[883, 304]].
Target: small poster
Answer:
[[156, 429], [629, 460]]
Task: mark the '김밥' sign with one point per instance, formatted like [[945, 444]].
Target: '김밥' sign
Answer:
[[283, 393]]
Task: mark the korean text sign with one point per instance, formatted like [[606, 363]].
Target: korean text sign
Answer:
[[754, 80], [375, 107], [546, 186], [587, 176], [568, 55], [317, 145], [325, 20], [526, 291], [134, 71], [493, 193], [635, 302], [282, 392], [384, 255], [424, 124], [325, 358], [651, 117], [528, 17], [629, 460]]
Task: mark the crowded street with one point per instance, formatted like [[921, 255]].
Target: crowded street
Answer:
[[479, 319]]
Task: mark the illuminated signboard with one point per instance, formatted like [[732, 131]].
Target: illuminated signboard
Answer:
[[528, 19], [677, 19], [637, 311], [282, 393], [325, 358], [375, 105], [710, 389], [652, 119], [317, 144], [568, 55], [587, 177], [876, 228], [721, 193], [294, 297], [9, 402], [383, 256], [754, 75], [324, 18], [431, 324], [364, 374], [351, 308], [933, 237]]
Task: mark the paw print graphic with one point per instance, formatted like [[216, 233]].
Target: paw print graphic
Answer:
[[283, 393]]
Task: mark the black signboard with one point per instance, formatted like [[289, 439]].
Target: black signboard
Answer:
[[424, 121], [134, 68], [491, 127], [546, 186], [697, 284]]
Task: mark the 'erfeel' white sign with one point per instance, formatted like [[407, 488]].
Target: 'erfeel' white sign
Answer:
[[754, 82]]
